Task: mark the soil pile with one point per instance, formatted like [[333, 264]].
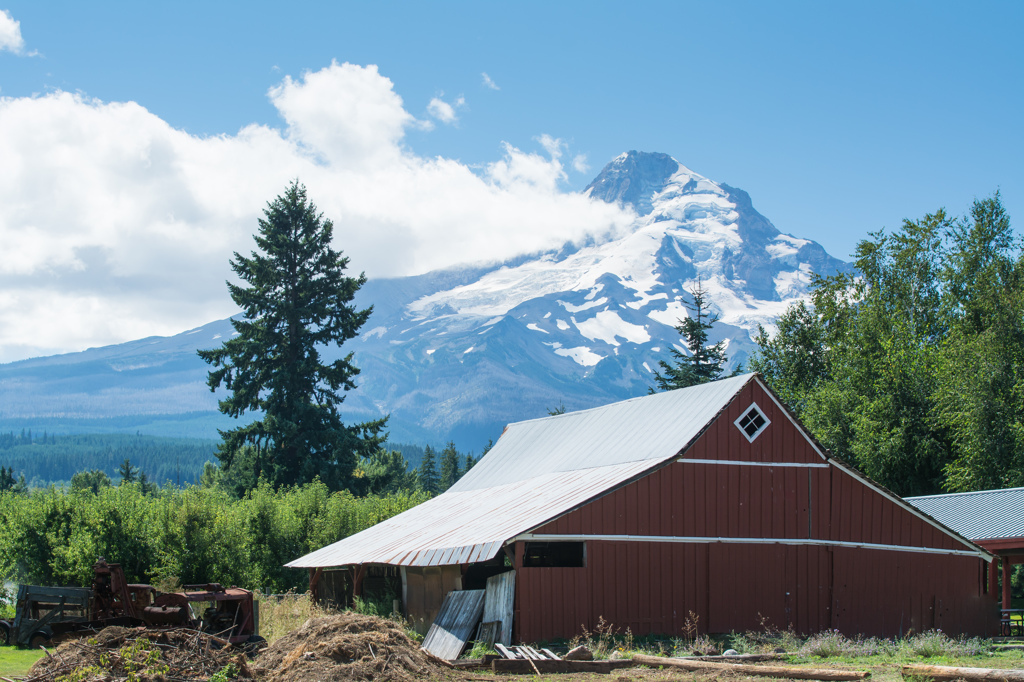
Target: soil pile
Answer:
[[115, 652], [346, 647]]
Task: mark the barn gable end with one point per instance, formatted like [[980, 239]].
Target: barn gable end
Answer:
[[733, 531]]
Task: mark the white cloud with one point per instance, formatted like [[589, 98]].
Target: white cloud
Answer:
[[10, 33], [115, 225], [444, 112], [579, 163], [488, 83]]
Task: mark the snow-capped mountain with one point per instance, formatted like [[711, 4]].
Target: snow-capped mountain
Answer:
[[459, 353]]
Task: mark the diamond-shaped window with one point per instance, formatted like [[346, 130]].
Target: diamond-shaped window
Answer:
[[752, 422]]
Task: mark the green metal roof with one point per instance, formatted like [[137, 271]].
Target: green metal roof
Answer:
[[980, 515]]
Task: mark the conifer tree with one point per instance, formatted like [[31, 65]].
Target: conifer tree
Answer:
[[705, 363], [427, 475], [129, 473], [296, 302], [7, 480], [449, 466]]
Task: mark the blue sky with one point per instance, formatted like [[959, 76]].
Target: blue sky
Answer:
[[837, 118]]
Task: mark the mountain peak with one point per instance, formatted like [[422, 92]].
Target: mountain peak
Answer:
[[634, 178]]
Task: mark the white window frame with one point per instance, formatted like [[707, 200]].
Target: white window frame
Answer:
[[767, 422]]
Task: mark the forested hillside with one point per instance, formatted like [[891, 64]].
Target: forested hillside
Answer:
[[44, 459]]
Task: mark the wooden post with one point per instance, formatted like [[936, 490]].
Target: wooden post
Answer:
[[357, 582], [314, 580], [1006, 583], [993, 578]]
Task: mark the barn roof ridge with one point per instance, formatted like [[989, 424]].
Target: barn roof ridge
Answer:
[[746, 376]]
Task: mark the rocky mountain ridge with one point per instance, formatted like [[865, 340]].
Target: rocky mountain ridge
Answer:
[[459, 353]]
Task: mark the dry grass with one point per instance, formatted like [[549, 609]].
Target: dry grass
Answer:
[[280, 614]]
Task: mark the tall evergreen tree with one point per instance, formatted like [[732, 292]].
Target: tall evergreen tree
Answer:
[[427, 477], [297, 301], [129, 473], [450, 472], [7, 480], [704, 363]]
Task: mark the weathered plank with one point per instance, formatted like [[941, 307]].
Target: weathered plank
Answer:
[[488, 633], [942, 672], [500, 599], [552, 655], [455, 623], [761, 670], [505, 651]]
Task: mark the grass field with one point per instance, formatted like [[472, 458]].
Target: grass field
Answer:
[[15, 662]]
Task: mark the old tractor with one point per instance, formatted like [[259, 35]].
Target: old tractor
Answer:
[[45, 613]]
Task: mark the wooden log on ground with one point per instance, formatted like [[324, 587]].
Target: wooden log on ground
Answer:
[[942, 672], [544, 667], [762, 670], [738, 658]]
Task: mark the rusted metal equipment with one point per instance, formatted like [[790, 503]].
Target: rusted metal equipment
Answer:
[[47, 612]]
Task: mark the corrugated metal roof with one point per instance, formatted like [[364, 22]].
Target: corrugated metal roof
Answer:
[[980, 515], [538, 470], [651, 428]]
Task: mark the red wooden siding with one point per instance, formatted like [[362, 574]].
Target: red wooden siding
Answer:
[[651, 587], [890, 593]]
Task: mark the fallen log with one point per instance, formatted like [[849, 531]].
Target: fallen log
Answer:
[[762, 670], [942, 672], [521, 666], [739, 658]]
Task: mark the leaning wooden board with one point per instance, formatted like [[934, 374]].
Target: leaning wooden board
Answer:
[[501, 592], [455, 623]]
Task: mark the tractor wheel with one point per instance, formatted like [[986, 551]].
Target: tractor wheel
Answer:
[[37, 640], [253, 645]]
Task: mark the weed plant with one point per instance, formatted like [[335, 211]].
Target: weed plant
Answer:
[[280, 614], [479, 650], [605, 641]]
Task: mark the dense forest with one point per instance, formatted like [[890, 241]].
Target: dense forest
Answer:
[[45, 459], [912, 369]]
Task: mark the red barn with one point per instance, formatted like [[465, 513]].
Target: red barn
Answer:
[[710, 500]]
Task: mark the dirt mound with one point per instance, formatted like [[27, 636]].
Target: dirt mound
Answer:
[[346, 647], [115, 652]]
